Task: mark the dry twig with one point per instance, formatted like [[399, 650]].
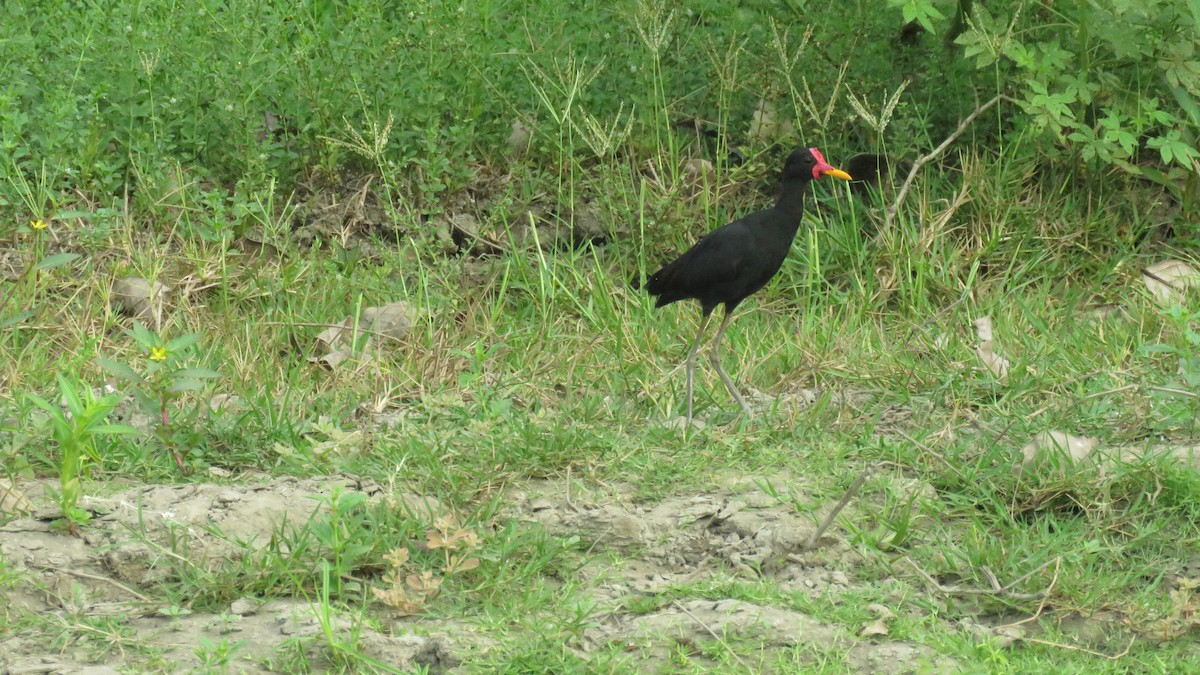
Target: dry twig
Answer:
[[713, 633], [95, 577], [812, 540], [996, 588], [1112, 657], [1045, 594], [890, 214]]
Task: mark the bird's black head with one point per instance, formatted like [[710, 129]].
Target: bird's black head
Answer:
[[808, 163]]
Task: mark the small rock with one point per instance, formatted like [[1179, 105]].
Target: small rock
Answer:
[[627, 528], [976, 630], [244, 607], [871, 628], [729, 510], [47, 512], [881, 611], [705, 509], [138, 298], [699, 171], [727, 606], [97, 670], [12, 499], [587, 226], [519, 140], [767, 125], [225, 403], [229, 496], [1007, 636]]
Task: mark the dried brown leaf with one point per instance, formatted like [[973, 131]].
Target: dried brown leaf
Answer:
[[1167, 279], [996, 364], [445, 522], [393, 319], [876, 627], [1047, 443], [397, 558], [457, 565], [423, 583], [435, 540], [12, 499]]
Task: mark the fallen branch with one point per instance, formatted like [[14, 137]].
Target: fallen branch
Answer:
[[890, 213], [812, 540], [93, 577], [996, 589], [1112, 657], [1045, 594]]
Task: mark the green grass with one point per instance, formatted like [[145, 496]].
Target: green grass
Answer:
[[542, 362]]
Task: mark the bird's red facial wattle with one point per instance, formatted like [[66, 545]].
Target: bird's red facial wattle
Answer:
[[823, 168]]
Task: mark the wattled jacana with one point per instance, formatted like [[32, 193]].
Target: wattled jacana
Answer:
[[734, 261]]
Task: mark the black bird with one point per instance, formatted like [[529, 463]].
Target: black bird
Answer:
[[734, 261]]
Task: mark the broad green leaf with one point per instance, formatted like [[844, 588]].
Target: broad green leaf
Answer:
[[120, 370], [72, 215], [196, 373], [119, 429], [56, 260], [1185, 101], [15, 319], [73, 399], [1157, 349], [43, 404], [182, 342], [143, 335], [186, 385], [975, 45]]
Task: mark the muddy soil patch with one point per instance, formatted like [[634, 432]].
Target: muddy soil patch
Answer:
[[737, 530], [141, 537]]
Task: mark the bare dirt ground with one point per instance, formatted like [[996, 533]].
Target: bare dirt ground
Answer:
[[139, 535]]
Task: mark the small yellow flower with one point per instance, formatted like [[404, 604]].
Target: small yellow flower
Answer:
[[38, 224], [158, 353]]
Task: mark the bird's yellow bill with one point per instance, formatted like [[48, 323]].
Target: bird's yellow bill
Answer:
[[836, 173]]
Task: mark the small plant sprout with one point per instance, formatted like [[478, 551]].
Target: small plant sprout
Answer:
[[410, 593], [163, 381], [77, 432]]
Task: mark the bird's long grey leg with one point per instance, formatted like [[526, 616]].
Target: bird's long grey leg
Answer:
[[715, 357], [691, 366]]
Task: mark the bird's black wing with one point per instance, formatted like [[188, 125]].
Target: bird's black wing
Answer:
[[716, 262]]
